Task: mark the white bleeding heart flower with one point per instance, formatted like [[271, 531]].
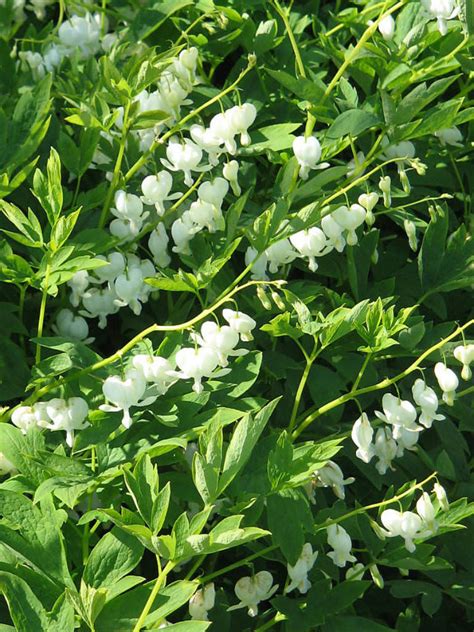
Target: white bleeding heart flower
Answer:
[[465, 355], [341, 543], [157, 190], [70, 326], [213, 192], [258, 262], [311, 243], [124, 393], [184, 157], [183, 230], [406, 524], [68, 415], [385, 185], [221, 339], [155, 369], [298, 573], [240, 322], [196, 364], [356, 572], [81, 33], [426, 398], [127, 204], [387, 27], [24, 418], [450, 136], [350, 219], [127, 287], [158, 245], [115, 266], [205, 215], [241, 118], [441, 11], [330, 475], [334, 232], [99, 303], [368, 201], [230, 171], [78, 285], [252, 590], [399, 413], [361, 434], [308, 154], [385, 449], [427, 512], [406, 440], [204, 138], [441, 496], [279, 254], [221, 128], [201, 602], [448, 382]]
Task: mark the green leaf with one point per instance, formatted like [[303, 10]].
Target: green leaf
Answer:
[[122, 612], [116, 554], [244, 438], [25, 609], [48, 190], [288, 534], [352, 122]]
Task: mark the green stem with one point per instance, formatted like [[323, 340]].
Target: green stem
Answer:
[[299, 392], [159, 141], [361, 372], [311, 121], [151, 599], [117, 168], [360, 44], [232, 567], [42, 312], [382, 503], [380, 385]]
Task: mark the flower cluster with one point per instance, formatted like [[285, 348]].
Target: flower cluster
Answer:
[[410, 525], [67, 415], [335, 231], [404, 422], [150, 376]]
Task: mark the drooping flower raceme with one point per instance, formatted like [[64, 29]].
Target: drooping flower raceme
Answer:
[[465, 355], [68, 415], [201, 602], [427, 400], [448, 382], [362, 433], [308, 154], [252, 590], [298, 573], [124, 393], [341, 542]]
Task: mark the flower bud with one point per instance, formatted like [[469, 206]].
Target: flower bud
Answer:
[[385, 186], [410, 230], [387, 27]]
